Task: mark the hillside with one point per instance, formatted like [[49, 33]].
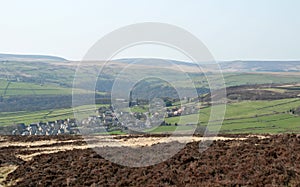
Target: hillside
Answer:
[[35, 58], [261, 66], [39, 82]]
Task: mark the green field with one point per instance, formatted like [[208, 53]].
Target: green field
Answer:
[[53, 84], [253, 117], [40, 79], [241, 117], [234, 79], [9, 118], [8, 88]]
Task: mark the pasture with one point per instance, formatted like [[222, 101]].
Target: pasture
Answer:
[[9, 118], [241, 117], [252, 117]]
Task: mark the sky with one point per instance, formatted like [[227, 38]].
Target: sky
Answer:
[[231, 29]]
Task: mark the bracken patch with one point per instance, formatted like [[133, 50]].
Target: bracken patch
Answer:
[[251, 162]]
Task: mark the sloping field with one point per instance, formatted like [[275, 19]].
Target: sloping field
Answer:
[[252, 117]]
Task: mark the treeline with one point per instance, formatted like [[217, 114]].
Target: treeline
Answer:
[[44, 102], [158, 89]]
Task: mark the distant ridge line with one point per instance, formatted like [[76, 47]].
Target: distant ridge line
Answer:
[[25, 57]]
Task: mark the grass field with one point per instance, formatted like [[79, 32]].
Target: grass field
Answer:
[[234, 79], [12, 88], [241, 117], [253, 117], [8, 88], [9, 118]]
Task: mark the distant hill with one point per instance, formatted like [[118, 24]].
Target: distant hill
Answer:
[[154, 61], [31, 58], [261, 66], [226, 66], [49, 79]]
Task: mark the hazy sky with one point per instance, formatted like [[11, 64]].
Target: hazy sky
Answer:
[[231, 29]]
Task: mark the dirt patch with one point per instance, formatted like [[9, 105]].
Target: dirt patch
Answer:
[[8, 156], [27, 150], [10, 138], [255, 161]]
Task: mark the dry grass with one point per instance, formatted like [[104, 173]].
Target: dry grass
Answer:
[[5, 170]]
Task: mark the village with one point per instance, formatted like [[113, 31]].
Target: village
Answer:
[[104, 120]]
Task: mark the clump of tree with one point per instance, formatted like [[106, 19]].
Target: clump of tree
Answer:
[[43, 102]]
